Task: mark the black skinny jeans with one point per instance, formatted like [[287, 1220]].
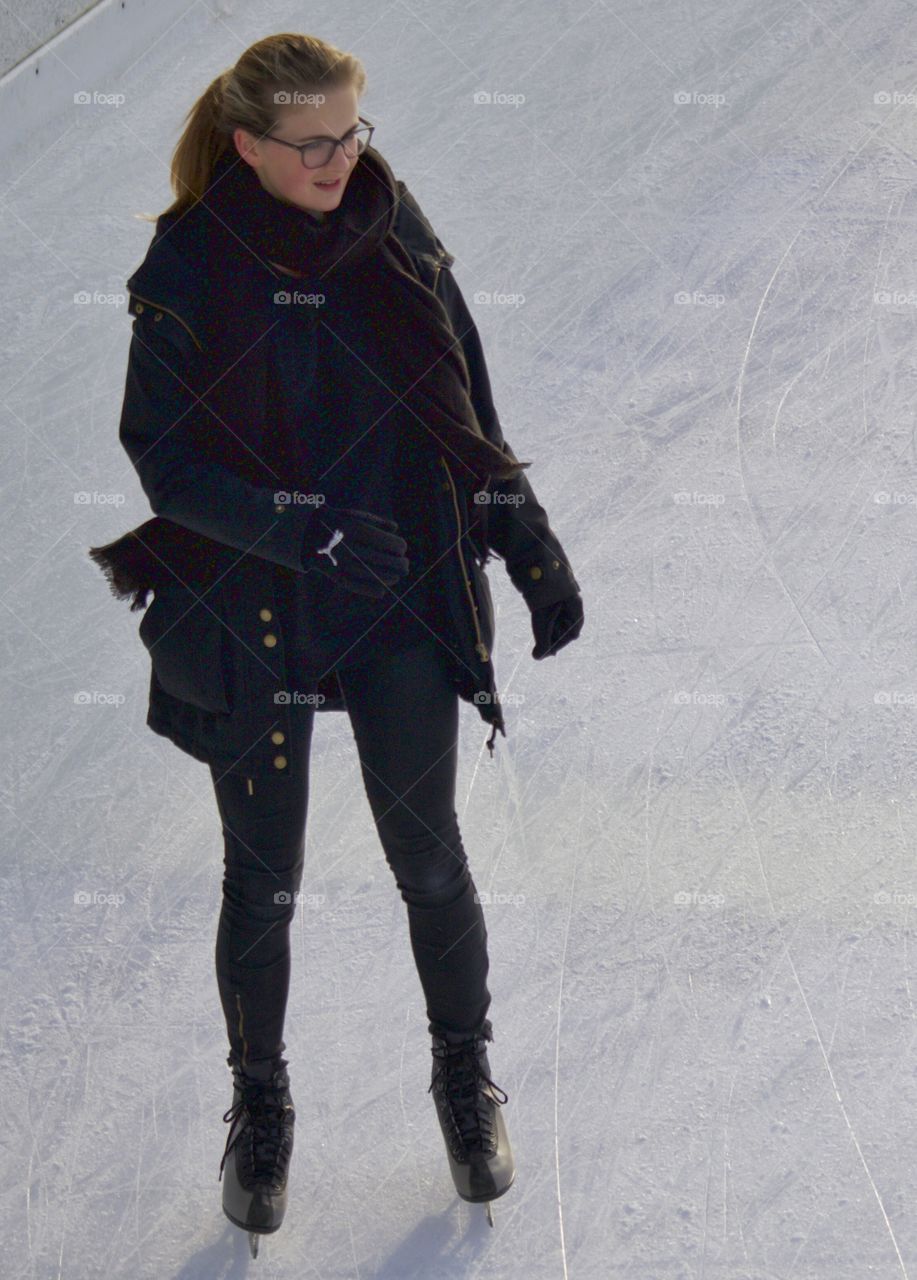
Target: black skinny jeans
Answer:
[[404, 714]]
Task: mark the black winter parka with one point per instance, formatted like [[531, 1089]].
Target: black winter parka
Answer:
[[219, 686]]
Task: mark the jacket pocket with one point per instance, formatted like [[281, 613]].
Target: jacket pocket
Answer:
[[185, 640]]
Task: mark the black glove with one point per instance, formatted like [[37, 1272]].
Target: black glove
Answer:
[[555, 625], [355, 549]]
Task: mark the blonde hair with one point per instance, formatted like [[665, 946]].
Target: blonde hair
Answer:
[[243, 97]]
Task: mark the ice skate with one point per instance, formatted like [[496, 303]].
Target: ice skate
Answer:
[[468, 1105], [258, 1150]]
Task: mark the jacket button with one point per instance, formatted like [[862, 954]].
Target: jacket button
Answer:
[[277, 737], [555, 564], [280, 508], [158, 315], [280, 762], [535, 571], [139, 308], [270, 639], [265, 615]]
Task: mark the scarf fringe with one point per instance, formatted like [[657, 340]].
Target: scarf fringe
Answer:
[[125, 564]]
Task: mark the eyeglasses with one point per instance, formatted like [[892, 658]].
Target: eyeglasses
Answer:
[[319, 152]]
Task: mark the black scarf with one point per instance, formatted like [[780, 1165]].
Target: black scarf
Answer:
[[392, 326]]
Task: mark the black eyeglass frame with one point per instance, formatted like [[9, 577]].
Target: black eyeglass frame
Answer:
[[338, 142]]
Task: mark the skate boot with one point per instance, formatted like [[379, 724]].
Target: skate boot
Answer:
[[258, 1150], [467, 1103]]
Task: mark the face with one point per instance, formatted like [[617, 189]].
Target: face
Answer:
[[280, 169]]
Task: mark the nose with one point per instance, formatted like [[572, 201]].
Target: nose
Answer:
[[340, 162]]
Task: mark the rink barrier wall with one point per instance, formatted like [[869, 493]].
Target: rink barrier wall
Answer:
[[88, 56]]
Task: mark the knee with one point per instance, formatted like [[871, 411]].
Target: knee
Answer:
[[265, 895], [433, 882]]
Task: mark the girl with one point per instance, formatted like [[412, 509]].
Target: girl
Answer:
[[308, 409]]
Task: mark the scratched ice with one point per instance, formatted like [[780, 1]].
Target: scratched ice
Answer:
[[688, 236]]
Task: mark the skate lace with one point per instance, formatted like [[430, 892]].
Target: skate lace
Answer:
[[263, 1115], [461, 1081]]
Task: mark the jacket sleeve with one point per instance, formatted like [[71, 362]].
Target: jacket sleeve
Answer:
[[517, 523], [157, 432]]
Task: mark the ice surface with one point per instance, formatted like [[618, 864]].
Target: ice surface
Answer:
[[698, 837]]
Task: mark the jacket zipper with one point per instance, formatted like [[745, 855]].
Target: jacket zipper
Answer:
[[480, 647], [445, 258]]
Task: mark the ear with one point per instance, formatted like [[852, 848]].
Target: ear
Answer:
[[246, 147]]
